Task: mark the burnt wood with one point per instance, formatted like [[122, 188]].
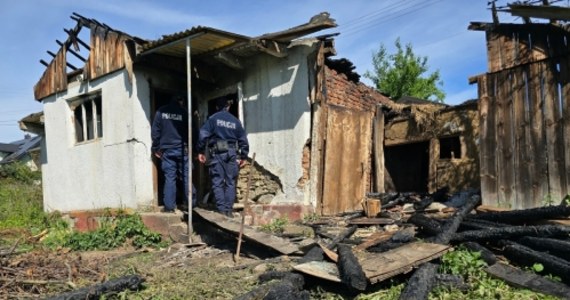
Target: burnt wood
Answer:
[[526, 215], [560, 248], [425, 224], [422, 281], [526, 256], [350, 271], [130, 282], [487, 255], [512, 232]]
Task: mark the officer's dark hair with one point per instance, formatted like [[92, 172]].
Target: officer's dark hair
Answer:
[[178, 98], [223, 102]]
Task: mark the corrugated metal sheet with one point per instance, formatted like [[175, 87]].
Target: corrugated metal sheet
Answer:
[[204, 39]]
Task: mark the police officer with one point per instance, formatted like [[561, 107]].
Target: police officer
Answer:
[[224, 138], [169, 135]]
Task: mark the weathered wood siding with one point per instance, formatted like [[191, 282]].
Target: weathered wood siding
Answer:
[[524, 116], [54, 78], [107, 52]]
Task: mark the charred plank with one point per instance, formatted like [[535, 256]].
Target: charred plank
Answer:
[[426, 225], [553, 246], [520, 278], [528, 257], [526, 215], [351, 273], [131, 282], [512, 232], [421, 282], [288, 286], [487, 255]]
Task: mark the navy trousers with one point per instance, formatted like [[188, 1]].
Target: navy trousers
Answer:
[[223, 170], [175, 164]]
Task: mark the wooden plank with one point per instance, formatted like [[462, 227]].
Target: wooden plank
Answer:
[[565, 81], [487, 158], [374, 239], [381, 266], [488, 208], [555, 159], [528, 280], [330, 254], [432, 165], [321, 269], [379, 149], [502, 143], [276, 243], [370, 221], [537, 137], [494, 58], [523, 177]]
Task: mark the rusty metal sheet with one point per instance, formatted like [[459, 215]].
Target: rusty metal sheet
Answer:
[[347, 159]]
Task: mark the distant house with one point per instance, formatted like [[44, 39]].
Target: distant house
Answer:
[[308, 119], [25, 151]]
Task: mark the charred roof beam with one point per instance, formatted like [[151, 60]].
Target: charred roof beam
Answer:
[[270, 47]]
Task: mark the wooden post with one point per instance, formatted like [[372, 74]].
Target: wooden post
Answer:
[[245, 208], [379, 149]]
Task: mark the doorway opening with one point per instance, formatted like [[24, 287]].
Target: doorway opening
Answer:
[[408, 165]]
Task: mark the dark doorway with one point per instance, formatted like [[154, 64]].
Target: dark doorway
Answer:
[[408, 165]]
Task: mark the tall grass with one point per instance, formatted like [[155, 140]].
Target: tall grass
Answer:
[[21, 203]]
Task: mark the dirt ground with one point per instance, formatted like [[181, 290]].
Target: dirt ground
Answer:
[[177, 272]]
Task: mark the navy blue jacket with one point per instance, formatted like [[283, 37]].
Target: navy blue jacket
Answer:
[[169, 127], [223, 126]]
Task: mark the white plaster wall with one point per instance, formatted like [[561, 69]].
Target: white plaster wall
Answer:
[[110, 172], [276, 111]]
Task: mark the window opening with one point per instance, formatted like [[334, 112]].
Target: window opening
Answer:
[[449, 147], [87, 112]]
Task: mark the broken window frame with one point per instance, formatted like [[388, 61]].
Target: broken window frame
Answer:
[[453, 155], [87, 111]]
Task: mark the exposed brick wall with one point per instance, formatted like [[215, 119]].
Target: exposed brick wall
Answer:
[[343, 92]]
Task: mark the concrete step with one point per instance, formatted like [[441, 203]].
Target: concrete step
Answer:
[[172, 226]]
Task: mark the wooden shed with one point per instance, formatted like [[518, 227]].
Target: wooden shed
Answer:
[[524, 114]]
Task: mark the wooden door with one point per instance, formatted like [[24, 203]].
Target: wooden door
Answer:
[[348, 144]]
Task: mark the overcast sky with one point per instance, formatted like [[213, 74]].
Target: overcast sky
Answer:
[[435, 28]]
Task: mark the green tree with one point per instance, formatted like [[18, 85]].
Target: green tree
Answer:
[[401, 74]]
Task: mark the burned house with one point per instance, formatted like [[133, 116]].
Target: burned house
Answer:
[[309, 124], [524, 110], [429, 146]]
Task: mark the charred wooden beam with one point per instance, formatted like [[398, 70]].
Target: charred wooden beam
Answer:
[[78, 40], [528, 257], [288, 286], [519, 278], [131, 282], [229, 60], [71, 51], [43, 62], [487, 255], [351, 273], [343, 235], [68, 64], [555, 247], [526, 215], [475, 224], [512, 232], [450, 227], [421, 283], [426, 225]]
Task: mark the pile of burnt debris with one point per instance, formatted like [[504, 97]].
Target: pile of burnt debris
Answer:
[[412, 231]]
